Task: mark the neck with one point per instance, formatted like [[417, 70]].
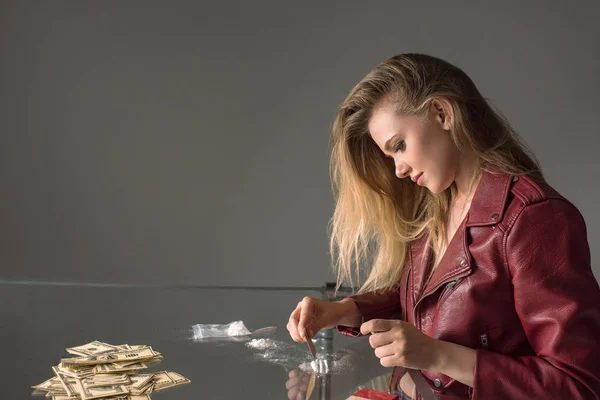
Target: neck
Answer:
[[466, 169]]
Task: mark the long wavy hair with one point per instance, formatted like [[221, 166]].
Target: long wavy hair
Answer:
[[376, 214]]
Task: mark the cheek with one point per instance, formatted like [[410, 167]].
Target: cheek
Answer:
[[420, 156], [441, 164]]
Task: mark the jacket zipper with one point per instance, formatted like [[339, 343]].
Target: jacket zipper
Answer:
[[483, 339], [447, 289], [406, 294], [433, 291]]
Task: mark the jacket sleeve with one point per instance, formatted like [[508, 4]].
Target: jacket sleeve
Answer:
[[385, 305], [557, 300]]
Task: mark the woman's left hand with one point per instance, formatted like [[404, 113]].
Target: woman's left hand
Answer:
[[398, 343]]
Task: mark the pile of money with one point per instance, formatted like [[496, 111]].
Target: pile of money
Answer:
[[104, 371]]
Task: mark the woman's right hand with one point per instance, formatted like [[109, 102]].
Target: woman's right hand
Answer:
[[316, 314]]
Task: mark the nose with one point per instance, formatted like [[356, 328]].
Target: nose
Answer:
[[402, 170]]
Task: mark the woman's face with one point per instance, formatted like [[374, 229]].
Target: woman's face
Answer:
[[418, 146]]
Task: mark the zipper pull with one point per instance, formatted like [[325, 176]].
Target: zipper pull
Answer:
[[484, 340], [447, 289]]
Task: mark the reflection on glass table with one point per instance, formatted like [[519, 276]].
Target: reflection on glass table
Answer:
[[39, 321]]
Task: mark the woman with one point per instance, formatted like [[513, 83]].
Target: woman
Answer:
[[480, 283]]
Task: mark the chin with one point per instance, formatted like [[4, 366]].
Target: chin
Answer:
[[437, 189]]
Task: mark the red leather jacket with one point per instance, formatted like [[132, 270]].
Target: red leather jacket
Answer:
[[515, 283]]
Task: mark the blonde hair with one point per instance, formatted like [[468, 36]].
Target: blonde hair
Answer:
[[376, 214]]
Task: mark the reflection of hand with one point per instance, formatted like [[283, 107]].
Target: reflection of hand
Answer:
[[297, 384]]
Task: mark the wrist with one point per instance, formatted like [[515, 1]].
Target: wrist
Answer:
[[455, 361], [348, 313], [441, 356]]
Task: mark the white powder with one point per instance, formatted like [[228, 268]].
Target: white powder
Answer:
[[237, 328], [319, 366], [307, 366], [261, 344], [295, 355]]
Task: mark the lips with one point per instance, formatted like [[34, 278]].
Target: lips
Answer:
[[416, 178]]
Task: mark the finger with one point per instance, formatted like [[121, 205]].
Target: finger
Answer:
[[295, 381], [293, 373], [293, 324], [296, 393], [388, 361], [386, 351], [306, 316], [293, 394], [366, 328], [375, 325], [380, 339]]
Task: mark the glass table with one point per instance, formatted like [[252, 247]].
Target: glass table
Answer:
[[40, 320]]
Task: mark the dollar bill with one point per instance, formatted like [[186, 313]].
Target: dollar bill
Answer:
[[61, 396], [139, 383], [68, 388], [119, 367], [75, 373], [106, 380], [47, 384], [162, 380], [88, 393], [129, 397], [178, 379], [104, 371], [113, 357], [132, 347], [95, 347], [165, 380]]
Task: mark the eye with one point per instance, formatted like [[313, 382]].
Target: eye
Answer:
[[400, 146]]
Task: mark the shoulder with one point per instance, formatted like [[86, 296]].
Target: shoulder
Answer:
[[543, 229], [529, 190], [500, 199], [532, 201]]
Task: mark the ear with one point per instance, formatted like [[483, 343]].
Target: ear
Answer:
[[441, 111]]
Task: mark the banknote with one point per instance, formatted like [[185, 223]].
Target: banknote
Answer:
[[112, 357], [139, 383], [47, 384], [103, 371], [105, 380], [75, 373], [177, 378], [131, 347], [88, 393], [129, 397], [67, 387], [92, 348], [162, 380], [119, 367], [165, 380]]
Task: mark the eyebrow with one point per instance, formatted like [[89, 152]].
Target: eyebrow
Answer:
[[387, 145]]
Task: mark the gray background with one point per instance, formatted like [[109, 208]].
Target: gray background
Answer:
[[170, 142]]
